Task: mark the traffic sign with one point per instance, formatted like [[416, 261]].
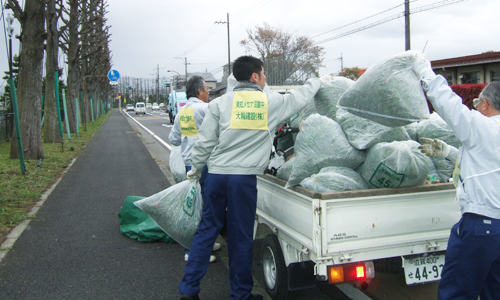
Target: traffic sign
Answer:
[[119, 94], [113, 75]]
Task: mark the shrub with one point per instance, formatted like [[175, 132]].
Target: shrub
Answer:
[[466, 91]]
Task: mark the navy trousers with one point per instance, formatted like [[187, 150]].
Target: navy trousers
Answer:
[[472, 263], [238, 195]]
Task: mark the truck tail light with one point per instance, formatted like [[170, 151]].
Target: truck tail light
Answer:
[[351, 272], [336, 274]]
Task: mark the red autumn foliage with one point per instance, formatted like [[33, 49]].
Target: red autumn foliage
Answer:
[[467, 92]]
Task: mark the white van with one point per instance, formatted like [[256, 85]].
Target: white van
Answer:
[[140, 108]]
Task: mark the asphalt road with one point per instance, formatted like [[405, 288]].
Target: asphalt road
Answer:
[[73, 248], [389, 282]]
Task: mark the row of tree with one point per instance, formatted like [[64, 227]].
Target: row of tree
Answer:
[[84, 39]]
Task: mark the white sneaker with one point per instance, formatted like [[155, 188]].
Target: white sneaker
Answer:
[[212, 257], [216, 247]]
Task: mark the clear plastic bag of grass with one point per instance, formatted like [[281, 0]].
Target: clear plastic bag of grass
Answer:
[[299, 117], [363, 133], [328, 96], [176, 164], [334, 179], [388, 93], [436, 128], [286, 169], [444, 168], [176, 210], [395, 164], [322, 143], [411, 129]]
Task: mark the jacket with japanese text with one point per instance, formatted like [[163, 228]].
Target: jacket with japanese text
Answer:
[[226, 148]]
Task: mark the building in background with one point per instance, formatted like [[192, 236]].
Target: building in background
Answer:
[[472, 69], [208, 77]]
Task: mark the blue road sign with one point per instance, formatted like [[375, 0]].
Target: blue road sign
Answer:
[[113, 75]]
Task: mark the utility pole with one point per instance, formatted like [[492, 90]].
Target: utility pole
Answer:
[[228, 49], [185, 68], [341, 58], [157, 83], [228, 45], [407, 25]]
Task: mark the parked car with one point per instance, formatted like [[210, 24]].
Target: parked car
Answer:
[[140, 108], [155, 106], [149, 105], [162, 105], [130, 107]]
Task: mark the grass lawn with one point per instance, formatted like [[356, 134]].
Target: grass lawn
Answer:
[[18, 192]]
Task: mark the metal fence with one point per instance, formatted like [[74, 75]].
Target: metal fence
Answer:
[[279, 71], [6, 126]]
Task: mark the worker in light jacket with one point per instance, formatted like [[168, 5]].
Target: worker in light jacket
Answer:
[[185, 129], [472, 262], [235, 141]]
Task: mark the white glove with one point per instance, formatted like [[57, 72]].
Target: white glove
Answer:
[[193, 173], [434, 147], [231, 83], [326, 78], [421, 65]]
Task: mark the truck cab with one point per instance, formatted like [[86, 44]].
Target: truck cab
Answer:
[[176, 100]]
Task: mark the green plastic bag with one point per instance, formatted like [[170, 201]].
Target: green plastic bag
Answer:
[[136, 224]]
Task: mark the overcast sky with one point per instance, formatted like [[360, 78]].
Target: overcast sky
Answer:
[[149, 33]]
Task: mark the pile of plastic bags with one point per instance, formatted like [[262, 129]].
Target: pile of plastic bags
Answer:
[[366, 133], [321, 143]]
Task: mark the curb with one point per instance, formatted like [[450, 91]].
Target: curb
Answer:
[[15, 233]]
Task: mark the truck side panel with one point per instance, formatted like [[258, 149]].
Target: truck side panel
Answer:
[[397, 224]]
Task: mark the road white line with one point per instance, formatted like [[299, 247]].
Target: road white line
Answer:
[[151, 133]]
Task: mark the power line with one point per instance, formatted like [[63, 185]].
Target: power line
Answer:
[[393, 17], [360, 20], [211, 31], [250, 9], [217, 70]]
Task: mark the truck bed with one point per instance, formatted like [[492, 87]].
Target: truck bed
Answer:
[[358, 225]]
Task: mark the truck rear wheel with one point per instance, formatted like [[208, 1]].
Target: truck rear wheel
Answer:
[[274, 269]]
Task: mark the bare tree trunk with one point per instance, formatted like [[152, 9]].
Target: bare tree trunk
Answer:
[[51, 124], [29, 87], [73, 63]]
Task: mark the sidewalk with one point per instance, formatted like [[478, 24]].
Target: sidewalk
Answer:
[[73, 248]]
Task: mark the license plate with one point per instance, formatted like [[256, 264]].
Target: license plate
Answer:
[[423, 268]]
